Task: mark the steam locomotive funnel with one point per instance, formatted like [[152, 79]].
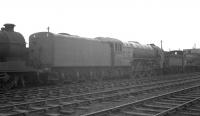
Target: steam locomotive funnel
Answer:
[[9, 27]]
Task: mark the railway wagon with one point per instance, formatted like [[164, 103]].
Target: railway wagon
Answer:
[[79, 58], [14, 71]]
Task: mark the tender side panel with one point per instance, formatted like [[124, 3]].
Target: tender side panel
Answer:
[[72, 51], [41, 50]]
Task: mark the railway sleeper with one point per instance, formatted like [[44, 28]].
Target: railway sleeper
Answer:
[[148, 108], [39, 110], [53, 109], [85, 108], [156, 106], [53, 114], [166, 103], [179, 99], [3, 101], [133, 113], [186, 113], [184, 97], [193, 93], [193, 110], [60, 111], [7, 109], [13, 113], [142, 110], [67, 111], [197, 106], [189, 96], [54, 101], [171, 101]]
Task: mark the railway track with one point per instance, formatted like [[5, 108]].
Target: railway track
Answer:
[[169, 104], [80, 104], [46, 91], [189, 108]]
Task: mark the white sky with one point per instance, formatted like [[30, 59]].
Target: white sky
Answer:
[[176, 22]]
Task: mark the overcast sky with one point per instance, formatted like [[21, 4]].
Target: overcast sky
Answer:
[[176, 22]]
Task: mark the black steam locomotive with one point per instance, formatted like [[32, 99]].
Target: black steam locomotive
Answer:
[[13, 59]]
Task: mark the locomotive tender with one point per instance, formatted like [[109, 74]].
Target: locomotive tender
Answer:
[[79, 58]]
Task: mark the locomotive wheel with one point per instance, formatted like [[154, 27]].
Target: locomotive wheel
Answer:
[[7, 81]]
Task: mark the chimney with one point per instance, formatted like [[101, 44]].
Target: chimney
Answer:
[[9, 27]]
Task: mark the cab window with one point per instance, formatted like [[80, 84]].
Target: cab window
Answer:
[[118, 47]]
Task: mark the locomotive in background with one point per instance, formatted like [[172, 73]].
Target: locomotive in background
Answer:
[[69, 58], [192, 60], [13, 57], [182, 61]]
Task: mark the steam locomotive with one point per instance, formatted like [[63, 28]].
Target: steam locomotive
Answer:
[[13, 57], [69, 58], [79, 58], [182, 61]]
